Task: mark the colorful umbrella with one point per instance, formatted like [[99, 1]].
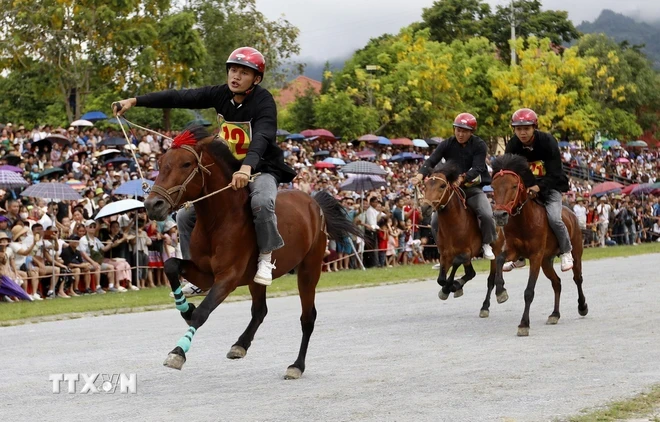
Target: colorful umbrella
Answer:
[[383, 141], [82, 122], [11, 180], [12, 168], [321, 133], [402, 141], [295, 137], [420, 143], [321, 153], [622, 160], [76, 184], [324, 165], [363, 182], [637, 143], [94, 116], [50, 171], [119, 207], [606, 188], [366, 154], [282, 132], [113, 142], [59, 191], [132, 188], [335, 161], [371, 138], [363, 167]]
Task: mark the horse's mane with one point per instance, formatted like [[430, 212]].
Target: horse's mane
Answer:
[[517, 164], [218, 148], [449, 169]]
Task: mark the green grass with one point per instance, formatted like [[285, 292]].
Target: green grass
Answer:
[[642, 405], [11, 313]]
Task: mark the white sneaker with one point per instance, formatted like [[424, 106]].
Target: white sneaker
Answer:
[[513, 264], [190, 290], [436, 266], [488, 252], [134, 287], [264, 273], [566, 261], [36, 296], [121, 289]]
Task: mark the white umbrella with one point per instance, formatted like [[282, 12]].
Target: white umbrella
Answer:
[[82, 123], [119, 207], [109, 151]]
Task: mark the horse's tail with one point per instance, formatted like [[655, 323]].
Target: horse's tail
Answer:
[[338, 226]]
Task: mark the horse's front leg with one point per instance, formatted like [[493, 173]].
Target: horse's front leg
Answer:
[[449, 284], [217, 294], [259, 311], [534, 268], [465, 260], [175, 268], [498, 278]]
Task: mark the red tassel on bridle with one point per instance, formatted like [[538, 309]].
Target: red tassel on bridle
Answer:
[[184, 138]]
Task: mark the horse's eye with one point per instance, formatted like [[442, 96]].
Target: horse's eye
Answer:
[[514, 186], [187, 165]]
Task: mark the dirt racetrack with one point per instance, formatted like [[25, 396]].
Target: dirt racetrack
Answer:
[[390, 353]]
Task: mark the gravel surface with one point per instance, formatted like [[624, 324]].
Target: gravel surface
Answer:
[[390, 353]]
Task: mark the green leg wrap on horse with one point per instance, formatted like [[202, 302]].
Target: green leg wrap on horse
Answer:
[[180, 300], [184, 342]]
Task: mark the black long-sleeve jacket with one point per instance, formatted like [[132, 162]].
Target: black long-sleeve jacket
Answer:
[[470, 157], [544, 161], [258, 108]]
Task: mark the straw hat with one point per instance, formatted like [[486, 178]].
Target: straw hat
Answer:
[[18, 231], [3, 235]]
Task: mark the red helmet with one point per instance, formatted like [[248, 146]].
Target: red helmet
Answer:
[[524, 117], [248, 57], [466, 121]]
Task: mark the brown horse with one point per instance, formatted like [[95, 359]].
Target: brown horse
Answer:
[[528, 234], [459, 237], [223, 244]]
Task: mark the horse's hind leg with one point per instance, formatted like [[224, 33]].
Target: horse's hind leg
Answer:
[[550, 272], [259, 311], [469, 275], [309, 273], [217, 294]]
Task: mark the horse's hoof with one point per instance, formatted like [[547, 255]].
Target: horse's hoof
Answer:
[[174, 361], [523, 331], [442, 295], [552, 320], [458, 293], [583, 311], [236, 352], [484, 313], [501, 298], [292, 373]]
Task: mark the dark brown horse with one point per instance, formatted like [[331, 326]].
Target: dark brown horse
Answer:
[[458, 236], [528, 234], [223, 244]]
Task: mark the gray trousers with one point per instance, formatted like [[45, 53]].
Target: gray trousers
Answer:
[[478, 202], [263, 192], [553, 207]]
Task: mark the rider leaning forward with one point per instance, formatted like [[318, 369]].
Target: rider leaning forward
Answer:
[[542, 152], [248, 122], [468, 151]]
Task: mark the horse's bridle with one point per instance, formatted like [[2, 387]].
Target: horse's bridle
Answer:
[[437, 204], [181, 189], [521, 188]]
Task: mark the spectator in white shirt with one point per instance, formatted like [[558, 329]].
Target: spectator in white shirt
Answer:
[[581, 213], [91, 249], [20, 252]]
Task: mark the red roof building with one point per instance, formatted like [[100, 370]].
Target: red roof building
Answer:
[[296, 88]]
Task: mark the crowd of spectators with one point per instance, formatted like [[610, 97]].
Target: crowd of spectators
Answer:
[[51, 248]]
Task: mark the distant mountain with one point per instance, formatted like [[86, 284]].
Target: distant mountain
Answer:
[[624, 28], [313, 68]]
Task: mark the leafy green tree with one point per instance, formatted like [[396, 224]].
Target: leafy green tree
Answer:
[[530, 20], [228, 24], [338, 113], [301, 114], [450, 20]]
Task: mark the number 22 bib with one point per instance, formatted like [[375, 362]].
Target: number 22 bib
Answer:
[[237, 135]]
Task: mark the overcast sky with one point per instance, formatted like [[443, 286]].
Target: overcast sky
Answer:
[[334, 28]]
